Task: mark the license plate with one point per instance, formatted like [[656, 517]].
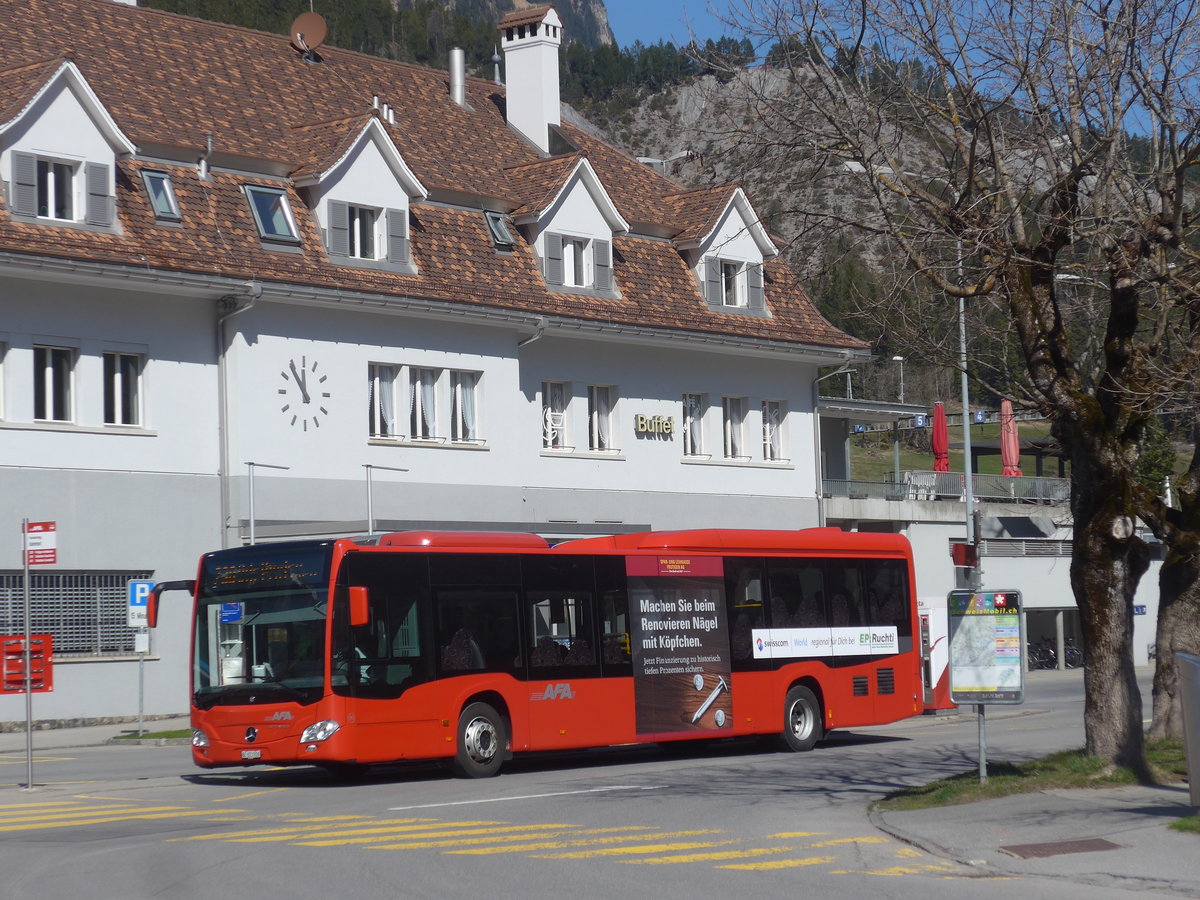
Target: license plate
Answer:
[[251, 754]]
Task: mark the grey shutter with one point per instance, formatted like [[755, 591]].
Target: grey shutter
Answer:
[[712, 283], [754, 284], [339, 228], [397, 236], [99, 209], [554, 259], [24, 196], [603, 264]]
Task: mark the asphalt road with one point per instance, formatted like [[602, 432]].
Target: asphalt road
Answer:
[[141, 822]]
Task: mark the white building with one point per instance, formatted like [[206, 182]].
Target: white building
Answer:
[[232, 259]]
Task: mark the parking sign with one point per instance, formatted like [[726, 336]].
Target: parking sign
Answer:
[[139, 603]]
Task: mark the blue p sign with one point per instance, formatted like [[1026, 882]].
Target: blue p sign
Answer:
[[139, 603]]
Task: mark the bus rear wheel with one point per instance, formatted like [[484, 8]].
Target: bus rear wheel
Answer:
[[801, 719], [481, 742]]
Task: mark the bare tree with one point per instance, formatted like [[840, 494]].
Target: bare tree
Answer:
[[1033, 158]]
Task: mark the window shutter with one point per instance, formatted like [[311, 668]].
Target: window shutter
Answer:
[[24, 197], [554, 259], [397, 236], [712, 282], [339, 228], [754, 284], [99, 200], [603, 265]]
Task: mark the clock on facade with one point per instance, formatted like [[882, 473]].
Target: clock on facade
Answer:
[[303, 393]]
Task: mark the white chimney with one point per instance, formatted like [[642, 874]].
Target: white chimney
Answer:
[[458, 76], [530, 38]]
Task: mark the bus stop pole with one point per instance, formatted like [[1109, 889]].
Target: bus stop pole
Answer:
[[982, 743], [27, 653]]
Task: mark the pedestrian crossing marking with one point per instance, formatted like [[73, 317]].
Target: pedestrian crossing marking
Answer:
[[749, 853], [454, 831], [872, 839], [767, 865], [562, 845]]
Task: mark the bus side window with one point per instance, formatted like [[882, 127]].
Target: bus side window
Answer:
[[560, 632], [612, 592], [744, 604], [843, 584], [477, 629]]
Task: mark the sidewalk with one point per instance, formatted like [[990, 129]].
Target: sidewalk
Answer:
[[1115, 837], [86, 736]]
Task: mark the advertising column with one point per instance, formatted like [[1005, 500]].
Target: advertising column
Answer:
[[680, 644]]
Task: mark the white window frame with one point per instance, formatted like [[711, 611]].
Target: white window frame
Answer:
[[55, 374], [556, 400], [464, 407], [50, 172], [733, 421], [733, 283], [694, 405], [364, 235], [600, 418], [381, 400], [579, 265], [161, 194], [268, 230], [773, 417], [122, 387], [422, 410]]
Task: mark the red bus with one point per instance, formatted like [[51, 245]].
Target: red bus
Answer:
[[469, 647]]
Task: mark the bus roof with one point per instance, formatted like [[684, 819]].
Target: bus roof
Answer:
[[473, 540], [718, 540]]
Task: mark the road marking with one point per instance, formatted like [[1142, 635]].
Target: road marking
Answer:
[[294, 831], [599, 790], [453, 831], [854, 840], [244, 796], [105, 820], [562, 845], [707, 857], [648, 848], [791, 835], [767, 865]]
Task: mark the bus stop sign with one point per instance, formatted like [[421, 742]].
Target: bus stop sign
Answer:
[[986, 637]]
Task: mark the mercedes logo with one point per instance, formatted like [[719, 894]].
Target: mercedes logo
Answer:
[[251, 734]]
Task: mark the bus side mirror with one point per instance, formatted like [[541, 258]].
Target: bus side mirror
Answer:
[[359, 607], [156, 592]]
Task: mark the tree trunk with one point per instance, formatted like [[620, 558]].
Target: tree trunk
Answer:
[[1107, 561], [1178, 630]]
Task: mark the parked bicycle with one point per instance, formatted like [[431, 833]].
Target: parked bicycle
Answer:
[[1041, 654], [1072, 655]]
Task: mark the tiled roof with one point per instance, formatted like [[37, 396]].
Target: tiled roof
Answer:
[[169, 82], [695, 212], [525, 16]]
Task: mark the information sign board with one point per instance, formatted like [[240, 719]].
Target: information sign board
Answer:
[[138, 610], [12, 664], [41, 543], [986, 637]]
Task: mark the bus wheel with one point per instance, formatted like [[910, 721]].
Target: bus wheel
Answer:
[[801, 719], [481, 742]]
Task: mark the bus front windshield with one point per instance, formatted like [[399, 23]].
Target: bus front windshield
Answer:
[[260, 625]]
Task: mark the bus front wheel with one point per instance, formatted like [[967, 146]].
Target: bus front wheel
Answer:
[[481, 742], [801, 719]]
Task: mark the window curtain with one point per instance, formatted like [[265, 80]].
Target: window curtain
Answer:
[[466, 399]]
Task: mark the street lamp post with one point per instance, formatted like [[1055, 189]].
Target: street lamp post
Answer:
[[900, 359]]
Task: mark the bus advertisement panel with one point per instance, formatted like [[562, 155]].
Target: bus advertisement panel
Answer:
[[681, 670]]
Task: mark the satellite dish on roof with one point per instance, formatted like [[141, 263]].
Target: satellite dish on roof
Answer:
[[308, 32]]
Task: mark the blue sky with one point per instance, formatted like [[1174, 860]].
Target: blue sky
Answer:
[[649, 21]]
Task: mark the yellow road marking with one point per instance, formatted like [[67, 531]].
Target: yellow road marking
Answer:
[[792, 835], [781, 863], [251, 794], [562, 845], [48, 805], [909, 853], [12, 760], [647, 848], [853, 840], [284, 833], [382, 834], [76, 811], [892, 871], [707, 857], [103, 820]]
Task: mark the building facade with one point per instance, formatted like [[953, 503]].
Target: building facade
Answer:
[[253, 288]]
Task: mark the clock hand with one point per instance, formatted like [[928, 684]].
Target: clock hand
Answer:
[[300, 382]]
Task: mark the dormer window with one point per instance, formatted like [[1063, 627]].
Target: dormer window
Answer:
[[731, 285], [55, 190], [161, 194], [272, 214], [363, 223], [578, 262], [61, 190]]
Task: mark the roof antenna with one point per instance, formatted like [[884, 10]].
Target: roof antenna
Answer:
[[308, 33]]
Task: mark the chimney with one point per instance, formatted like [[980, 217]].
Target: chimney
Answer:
[[458, 76], [530, 38]]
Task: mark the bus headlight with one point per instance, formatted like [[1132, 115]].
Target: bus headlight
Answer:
[[199, 738], [319, 731]]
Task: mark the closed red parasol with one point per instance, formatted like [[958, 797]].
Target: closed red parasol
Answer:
[[1010, 444], [940, 440]]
